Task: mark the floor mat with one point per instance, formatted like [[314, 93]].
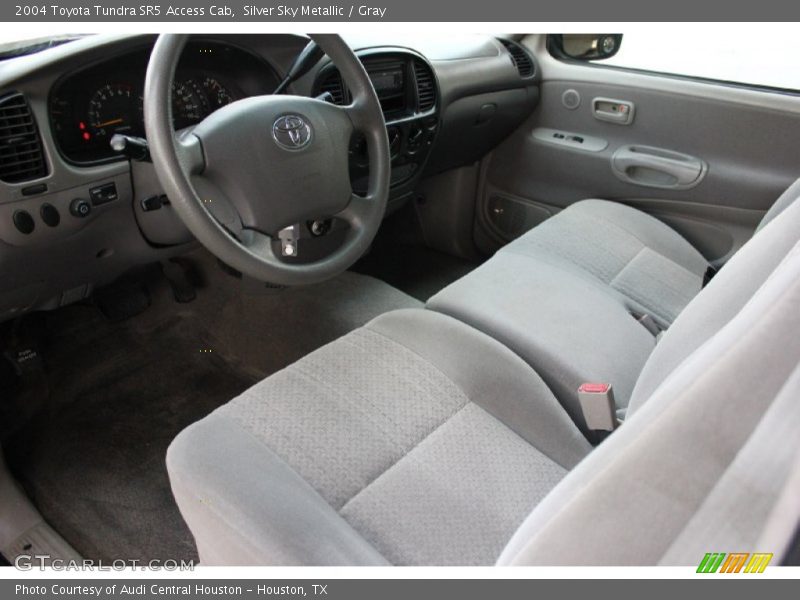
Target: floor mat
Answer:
[[95, 465], [93, 459], [415, 269]]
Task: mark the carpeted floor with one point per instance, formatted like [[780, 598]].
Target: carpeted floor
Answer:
[[415, 269], [92, 458]]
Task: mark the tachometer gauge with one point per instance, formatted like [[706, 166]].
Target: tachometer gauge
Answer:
[[115, 108], [218, 95], [189, 105]]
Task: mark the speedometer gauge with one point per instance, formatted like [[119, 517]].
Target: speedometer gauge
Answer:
[[115, 108], [218, 95], [189, 105]]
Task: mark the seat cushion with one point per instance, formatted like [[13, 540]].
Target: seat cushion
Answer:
[[566, 296], [650, 265], [413, 440], [565, 324]]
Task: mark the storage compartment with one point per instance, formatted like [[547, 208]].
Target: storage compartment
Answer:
[[512, 217], [472, 126]]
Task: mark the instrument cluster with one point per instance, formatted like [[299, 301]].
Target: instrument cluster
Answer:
[[87, 108]]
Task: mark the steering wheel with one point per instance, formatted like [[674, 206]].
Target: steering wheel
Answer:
[[266, 163]]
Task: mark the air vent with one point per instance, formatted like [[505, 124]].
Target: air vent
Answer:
[[21, 156], [426, 88], [332, 82], [521, 58]]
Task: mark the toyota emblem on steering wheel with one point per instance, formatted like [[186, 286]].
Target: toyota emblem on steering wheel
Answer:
[[291, 132]]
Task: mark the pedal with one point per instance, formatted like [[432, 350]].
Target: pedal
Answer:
[[122, 300], [24, 387], [27, 361], [9, 375], [183, 289]]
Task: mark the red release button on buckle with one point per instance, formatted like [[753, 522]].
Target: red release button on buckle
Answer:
[[594, 388]]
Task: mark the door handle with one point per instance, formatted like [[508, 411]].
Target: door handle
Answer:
[[657, 167], [613, 111]]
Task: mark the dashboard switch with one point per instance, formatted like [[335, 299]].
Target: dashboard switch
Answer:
[[24, 222], [33, 190], [104, 193], [49, 214], [154, 203], [80, 208]]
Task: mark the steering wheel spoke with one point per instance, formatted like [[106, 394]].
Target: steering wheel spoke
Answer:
[[358, 114], [189, 151], [357, 210], [218, 205]]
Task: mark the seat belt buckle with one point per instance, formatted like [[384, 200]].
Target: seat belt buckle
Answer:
[[649, 323], [598, 406]]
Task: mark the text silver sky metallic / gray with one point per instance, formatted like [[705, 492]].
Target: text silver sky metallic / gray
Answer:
[[307, 10]]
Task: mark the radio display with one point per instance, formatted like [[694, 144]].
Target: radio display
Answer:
[[387, 82]]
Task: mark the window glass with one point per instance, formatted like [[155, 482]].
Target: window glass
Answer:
[[714, 55]]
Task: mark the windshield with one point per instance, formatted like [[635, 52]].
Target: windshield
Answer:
[[10, 47]]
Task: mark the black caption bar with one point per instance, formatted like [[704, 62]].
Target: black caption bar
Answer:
[[398, 11], [402, 589]]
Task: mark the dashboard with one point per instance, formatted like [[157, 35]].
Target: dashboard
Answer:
[[406, 88], [75, 215], [88, 107]]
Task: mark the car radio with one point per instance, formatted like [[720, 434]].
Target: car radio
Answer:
[[406, 89], [387, 82]]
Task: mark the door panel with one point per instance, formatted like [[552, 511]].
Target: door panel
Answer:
[[708, 159]]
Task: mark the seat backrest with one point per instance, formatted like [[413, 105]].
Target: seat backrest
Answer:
[[781, 204], [711, 396], [722, 298]]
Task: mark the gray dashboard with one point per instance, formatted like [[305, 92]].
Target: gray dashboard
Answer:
[[55, 250]]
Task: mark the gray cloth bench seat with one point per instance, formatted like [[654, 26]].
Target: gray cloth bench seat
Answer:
[[646, 264], [567, 295]]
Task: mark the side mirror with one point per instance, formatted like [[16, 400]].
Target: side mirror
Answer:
[[586, 46]]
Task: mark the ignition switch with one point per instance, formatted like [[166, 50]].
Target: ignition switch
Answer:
[[289, 237]]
